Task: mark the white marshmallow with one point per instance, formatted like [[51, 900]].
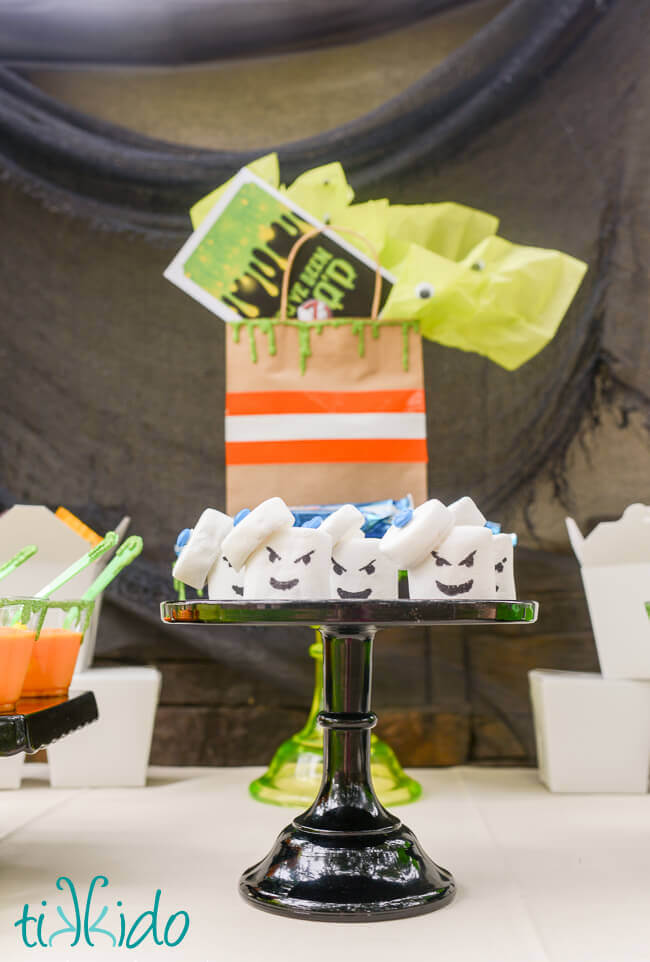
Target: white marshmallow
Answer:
[[202, 548], [359, 570], [346, 522], [504, 567], [292, 563], [465, 512], [255, 529], [460, 567], [224, 583], [412, 544]]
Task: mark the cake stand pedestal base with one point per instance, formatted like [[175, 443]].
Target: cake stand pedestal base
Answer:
[[347, 858], [361, 877]]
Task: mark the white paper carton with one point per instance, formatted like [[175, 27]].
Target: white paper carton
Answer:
[[58, 547], [592, 733], [11, 771], [114, 750], [615, 565]]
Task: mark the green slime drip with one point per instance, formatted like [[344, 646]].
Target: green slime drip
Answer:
[[41, 606], [305, 328]]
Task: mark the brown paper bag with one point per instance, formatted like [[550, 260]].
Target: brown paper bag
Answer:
[[351, 427], [322, 412]]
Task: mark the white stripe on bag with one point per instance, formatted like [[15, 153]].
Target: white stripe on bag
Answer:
[[294, 427]]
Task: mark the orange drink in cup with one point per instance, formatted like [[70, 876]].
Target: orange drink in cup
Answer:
[[17, 637], [56, 648]]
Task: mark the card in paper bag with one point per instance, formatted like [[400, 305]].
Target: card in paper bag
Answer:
[[235, 260]]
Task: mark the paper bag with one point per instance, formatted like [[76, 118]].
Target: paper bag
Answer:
[[324, 412]]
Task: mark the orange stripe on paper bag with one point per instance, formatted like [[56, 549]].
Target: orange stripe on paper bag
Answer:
[[317, 402], [352, 450]]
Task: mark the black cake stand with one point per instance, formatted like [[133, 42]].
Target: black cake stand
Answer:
[[347, 858]]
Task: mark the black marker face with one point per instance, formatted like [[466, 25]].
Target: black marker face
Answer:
[[362, 594], [463, 551], [292, 563], [359, 570], [305, 558], [221, 586], [283, 585], [458, 589], [452, 590], [504, 572]]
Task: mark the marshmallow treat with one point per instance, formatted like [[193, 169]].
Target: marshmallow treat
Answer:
[[461, 566], [291, 563], [224, 583], [359, 570], [203, 548], [504, 567], [414, 534], [465, 512], [267, 518], [346, 522]]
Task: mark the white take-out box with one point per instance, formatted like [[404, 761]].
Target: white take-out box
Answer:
[[615, 565], [113, 752], [592, 733]]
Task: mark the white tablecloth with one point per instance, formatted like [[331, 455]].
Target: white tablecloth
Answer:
[[540, 876]]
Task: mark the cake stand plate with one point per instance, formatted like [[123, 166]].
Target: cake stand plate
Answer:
[[37, 722], [347, 859]]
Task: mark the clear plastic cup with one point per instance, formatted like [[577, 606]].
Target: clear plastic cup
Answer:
[[18, 618], [59, 634]]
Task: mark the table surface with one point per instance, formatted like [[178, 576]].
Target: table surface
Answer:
[[541, 876]]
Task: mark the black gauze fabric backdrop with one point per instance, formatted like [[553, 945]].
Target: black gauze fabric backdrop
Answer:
[[113, 393]]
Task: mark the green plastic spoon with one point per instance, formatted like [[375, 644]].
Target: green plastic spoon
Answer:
[[124, 555], [110, 540], [18, 559]]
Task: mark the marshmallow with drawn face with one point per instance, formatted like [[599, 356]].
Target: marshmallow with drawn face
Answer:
[[202, 549], [282, 562], [460, 567], [292, 563], [414, 534], [359, 571], [224, 583], [503, 567], [358, 568]]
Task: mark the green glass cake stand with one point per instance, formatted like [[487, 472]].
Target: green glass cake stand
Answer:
[[296, 769]]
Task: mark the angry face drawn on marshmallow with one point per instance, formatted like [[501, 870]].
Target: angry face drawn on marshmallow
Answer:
[[224, 583], [282, 562], [503, 566], [293, 563], [444, 559], [358, 568], [360, 571], [462, 566]]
